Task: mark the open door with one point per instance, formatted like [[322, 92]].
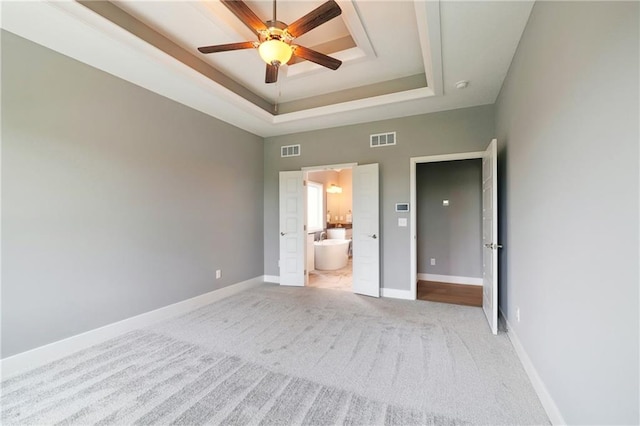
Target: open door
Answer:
[[366, 233], [490, 235], [292, 238]]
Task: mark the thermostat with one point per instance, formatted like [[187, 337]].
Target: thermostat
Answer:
[[402, 207]]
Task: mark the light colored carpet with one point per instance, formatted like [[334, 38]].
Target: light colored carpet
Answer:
[[277, 355]]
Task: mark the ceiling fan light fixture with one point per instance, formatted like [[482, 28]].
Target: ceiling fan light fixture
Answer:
[[275, 51]]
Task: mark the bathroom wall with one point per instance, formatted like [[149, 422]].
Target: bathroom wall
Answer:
[[461, 130], [340, 204], [337, 204], [325, 177], [452, 235], [346, 200], [115, 200]]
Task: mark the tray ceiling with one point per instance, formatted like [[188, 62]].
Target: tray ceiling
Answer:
[[399, 57]]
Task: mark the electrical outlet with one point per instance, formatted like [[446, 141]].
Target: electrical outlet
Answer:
[[433, 261], [517, 314], [218, 274]]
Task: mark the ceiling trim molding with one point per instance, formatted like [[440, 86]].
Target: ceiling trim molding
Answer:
[[110, 11], [353, 23], [391, 98], [428, 20]]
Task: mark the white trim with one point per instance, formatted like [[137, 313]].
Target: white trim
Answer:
[[393, 293], [413, 235], [329, 167], [549, 405], [272, 279], [451, 279], [428, 19], [358, 104], [44, 354]]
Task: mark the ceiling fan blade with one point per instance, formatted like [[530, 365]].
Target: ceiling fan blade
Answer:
[[326, 12], [272, 74], [246, 15], [227, 47], [317, 57]]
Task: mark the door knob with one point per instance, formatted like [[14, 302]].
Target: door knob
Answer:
[[493, 246], [374, 236], [283, 233]]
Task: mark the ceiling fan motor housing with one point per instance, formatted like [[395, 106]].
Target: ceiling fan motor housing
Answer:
[[276, 31]]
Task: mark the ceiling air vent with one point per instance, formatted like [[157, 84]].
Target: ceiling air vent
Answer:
[[290, 151], [382, 139]]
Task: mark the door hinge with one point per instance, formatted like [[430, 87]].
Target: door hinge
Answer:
[[304, 227]]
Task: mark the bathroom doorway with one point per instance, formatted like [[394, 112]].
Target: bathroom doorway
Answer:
[[329, 224]]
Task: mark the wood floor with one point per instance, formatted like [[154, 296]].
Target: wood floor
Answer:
[[458, 294]]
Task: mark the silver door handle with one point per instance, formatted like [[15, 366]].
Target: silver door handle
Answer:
[[374, 236], [493, 246], [283, 233]]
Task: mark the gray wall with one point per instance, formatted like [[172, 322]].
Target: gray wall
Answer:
[[463, 130], [116, 201], [567, 121], [451, 235]]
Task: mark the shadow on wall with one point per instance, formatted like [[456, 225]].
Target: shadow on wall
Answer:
[[503, 254]]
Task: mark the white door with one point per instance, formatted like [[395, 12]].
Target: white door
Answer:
[[366, 233], [292, 241], [490, 235]]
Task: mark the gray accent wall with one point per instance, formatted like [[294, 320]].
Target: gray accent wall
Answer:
[[567, 122], [463, 130], [115, 200], [452, 235]]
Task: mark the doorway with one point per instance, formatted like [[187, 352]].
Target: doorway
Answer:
[[449, 231], [488, 243], [329, 224]]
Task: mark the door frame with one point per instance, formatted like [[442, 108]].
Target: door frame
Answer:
[[413, 218]]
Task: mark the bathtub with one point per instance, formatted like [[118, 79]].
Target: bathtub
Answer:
[[330, 255]]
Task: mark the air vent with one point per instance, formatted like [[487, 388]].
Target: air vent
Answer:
[[290, 151], [382, 139]]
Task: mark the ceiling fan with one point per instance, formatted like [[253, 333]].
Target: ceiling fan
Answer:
[[275, 37]]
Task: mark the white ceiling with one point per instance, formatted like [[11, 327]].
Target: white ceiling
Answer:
[[399, 44]]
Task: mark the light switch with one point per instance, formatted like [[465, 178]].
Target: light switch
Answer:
[[445, 203], [402, 221]]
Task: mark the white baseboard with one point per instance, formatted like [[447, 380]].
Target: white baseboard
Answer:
[[44, 354], [272, 279], [553, 412], [393, 293], [451, 279]]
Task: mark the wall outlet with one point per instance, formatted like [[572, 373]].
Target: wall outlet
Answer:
[[218, 274], [433, 261], [517, 314]]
